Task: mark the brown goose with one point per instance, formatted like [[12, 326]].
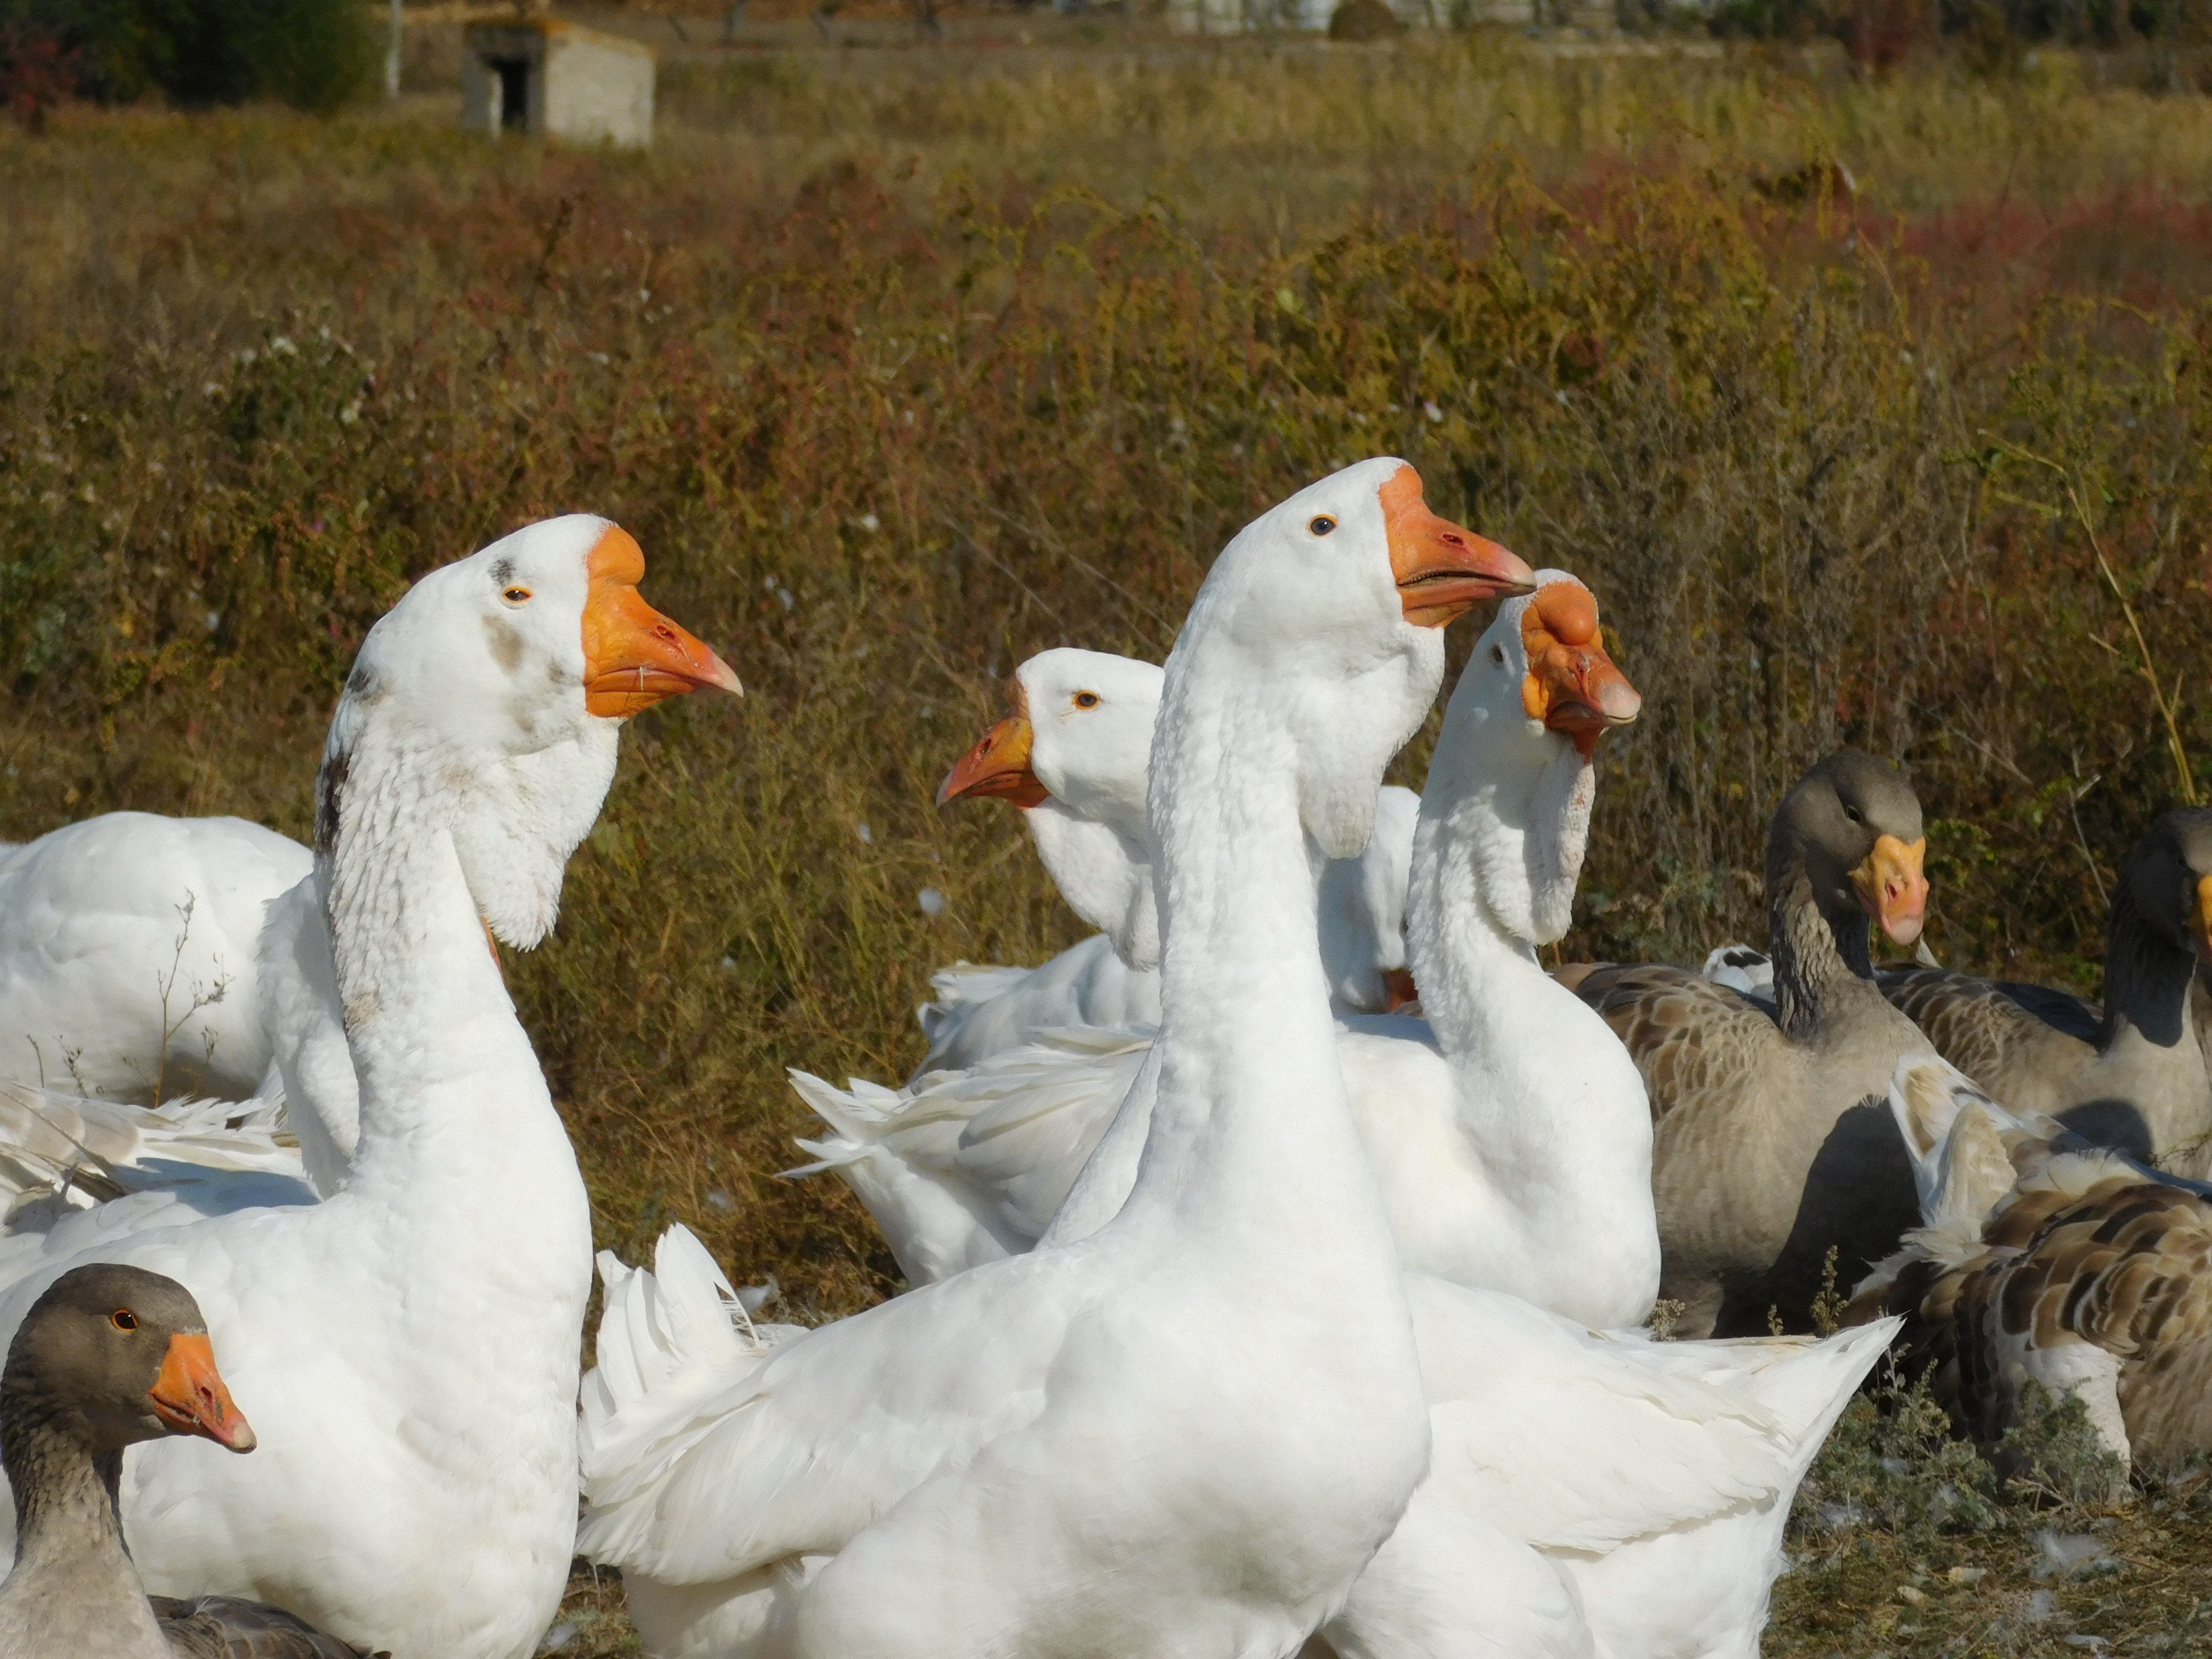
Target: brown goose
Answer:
[[2140, 1083], [1771, 1143], [2044, 1259], [108, 1357]]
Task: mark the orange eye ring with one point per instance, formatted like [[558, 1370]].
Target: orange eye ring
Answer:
[[123, 1320], [516, 596], [1322, 525], [1086, 700]]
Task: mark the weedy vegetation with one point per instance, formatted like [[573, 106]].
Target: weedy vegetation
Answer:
[[901, 368]]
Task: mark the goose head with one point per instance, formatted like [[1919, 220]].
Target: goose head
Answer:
[[1853, 826], [1071, 754], [1080, 732], [1322, 623], [2167, 880], [1512, 780], [119, 1355], [493, 694]]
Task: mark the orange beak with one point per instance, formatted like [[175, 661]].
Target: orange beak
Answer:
[[1443, 570], [1572, 686], [1891, 888], [2200, 919], [1399, 990], [998, 766], [190, 1397], [633, 656]]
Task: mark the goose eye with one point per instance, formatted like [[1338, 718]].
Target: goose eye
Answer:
[[516, 596], [1086, 700], [1497, 655], [1852, 813], [123, 1320], [1323, 525]]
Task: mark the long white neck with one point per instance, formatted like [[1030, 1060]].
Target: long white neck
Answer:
[[1251, 1140], [1544, 1094], [1105, 877], [457, 1131]]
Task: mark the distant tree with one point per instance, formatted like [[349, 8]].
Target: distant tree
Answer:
[[314, 54]]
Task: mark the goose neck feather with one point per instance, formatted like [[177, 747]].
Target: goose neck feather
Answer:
[[2147, 979], [1817, 950], [72, 1579], [1104, 874]]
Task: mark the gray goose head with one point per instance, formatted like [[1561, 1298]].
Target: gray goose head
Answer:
[[113, 1355], [1849, 839], [2167, 881]]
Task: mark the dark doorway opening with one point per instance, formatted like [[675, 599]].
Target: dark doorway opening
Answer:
[[513, 94]]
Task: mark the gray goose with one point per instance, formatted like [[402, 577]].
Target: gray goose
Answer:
[[1773, 1142], [108, 1357], [2043, 1259], [2139, 1082]]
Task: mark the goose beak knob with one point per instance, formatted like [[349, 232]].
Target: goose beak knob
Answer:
[[1443, 570], [635, 656], [1572, 685], [1892, 889], [190, 1397], [998, 766]]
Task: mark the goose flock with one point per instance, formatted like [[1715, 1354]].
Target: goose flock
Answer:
[[1284, 1261]]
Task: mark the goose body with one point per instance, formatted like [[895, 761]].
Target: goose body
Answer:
[[1187, 1433], [1772, 1145], [129, 955], [2139, 1084], [410, 1342]]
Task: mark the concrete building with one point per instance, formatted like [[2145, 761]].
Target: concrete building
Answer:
[[546, 77]]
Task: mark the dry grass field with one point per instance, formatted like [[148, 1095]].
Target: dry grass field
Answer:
[[905, 358]]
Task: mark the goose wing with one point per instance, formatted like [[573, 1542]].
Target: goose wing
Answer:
[[2015, 1040], [1694, 1040], [710, 1448]]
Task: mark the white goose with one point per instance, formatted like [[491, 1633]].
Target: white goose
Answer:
[[129, 955], [1510, 1135], [411, 1344], [1187, 1434], [1071, 757], [1079, 730]]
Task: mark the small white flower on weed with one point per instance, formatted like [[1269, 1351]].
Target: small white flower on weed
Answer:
[[214, 620], [867, 835], [1435, 415], [2077, 1553], [210, 389], [933, 902], [282, 346], [728, 965], [869, 522]]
